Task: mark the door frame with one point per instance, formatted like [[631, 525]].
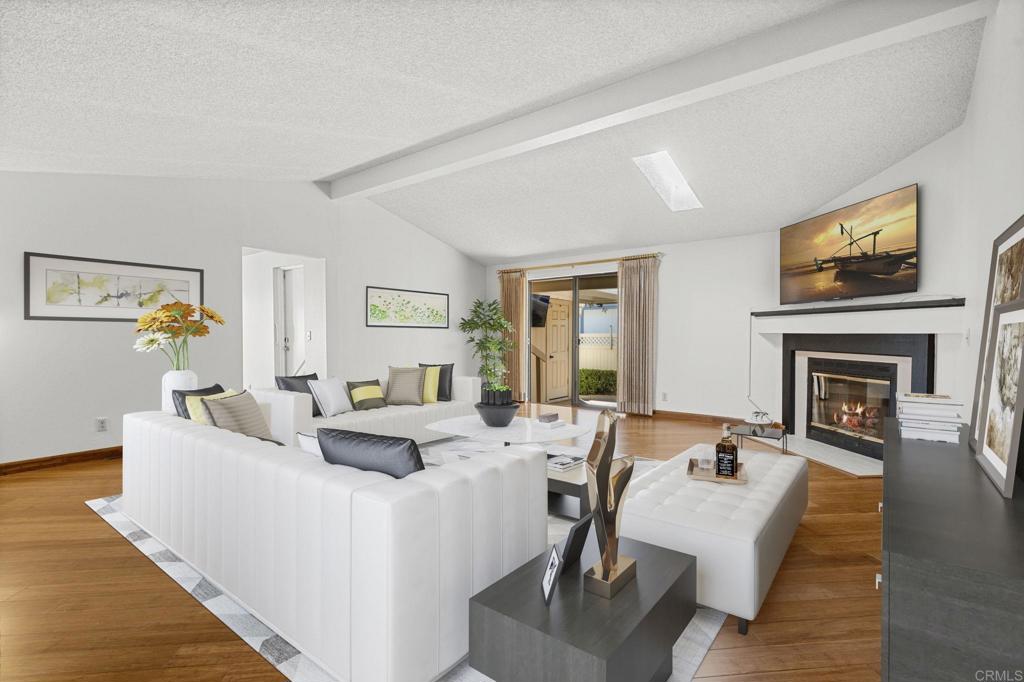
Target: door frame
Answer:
[[574, 340]]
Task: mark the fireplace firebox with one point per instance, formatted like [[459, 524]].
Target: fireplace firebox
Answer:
[[849, 402]]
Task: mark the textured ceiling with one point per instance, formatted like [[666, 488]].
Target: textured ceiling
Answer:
[[757, 159], [300, 89]]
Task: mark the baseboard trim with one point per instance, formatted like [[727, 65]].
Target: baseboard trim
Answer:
[[697, 417], [58, 460]]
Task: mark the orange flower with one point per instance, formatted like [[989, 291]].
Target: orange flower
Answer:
[[211, 314], [180, 310], [201, 330], [154, 321]]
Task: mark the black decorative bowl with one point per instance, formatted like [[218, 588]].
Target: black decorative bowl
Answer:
[[497, 415]]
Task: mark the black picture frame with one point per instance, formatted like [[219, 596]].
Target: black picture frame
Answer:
[[549, 580], [28, 263], [987, 458], [575, 540], [447, 309], [1015, 233]]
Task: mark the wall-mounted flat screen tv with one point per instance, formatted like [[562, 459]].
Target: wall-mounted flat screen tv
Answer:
[[539, 310], [866, 249]]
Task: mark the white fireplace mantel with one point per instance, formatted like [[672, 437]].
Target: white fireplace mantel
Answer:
[[913, 321]]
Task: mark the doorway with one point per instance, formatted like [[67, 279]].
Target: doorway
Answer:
[[284, 316], [573, 343]]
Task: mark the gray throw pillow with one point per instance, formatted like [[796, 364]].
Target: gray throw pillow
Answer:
[[239, 413], [405, 385], [389, 455], [299, 384]]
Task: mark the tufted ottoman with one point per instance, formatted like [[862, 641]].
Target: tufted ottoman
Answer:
[[739, 533]]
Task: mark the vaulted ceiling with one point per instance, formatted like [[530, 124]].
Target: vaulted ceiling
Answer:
[[505, 129], [301, 89]]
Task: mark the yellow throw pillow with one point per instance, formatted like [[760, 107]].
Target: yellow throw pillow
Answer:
[[431, 380], [197, 412]]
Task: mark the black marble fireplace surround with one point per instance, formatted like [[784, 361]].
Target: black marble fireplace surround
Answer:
[[919, 347]]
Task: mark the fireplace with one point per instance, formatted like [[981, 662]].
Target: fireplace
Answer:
[[840, 389], [849, 401]]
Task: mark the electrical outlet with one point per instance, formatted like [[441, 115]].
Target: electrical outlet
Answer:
[[664, 396], [309, 335], [101, 424]]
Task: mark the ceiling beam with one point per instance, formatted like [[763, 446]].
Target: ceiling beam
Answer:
[[837, 33]]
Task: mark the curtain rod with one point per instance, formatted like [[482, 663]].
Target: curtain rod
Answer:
[[582, 262]]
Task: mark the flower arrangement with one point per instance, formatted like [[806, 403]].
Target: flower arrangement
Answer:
[[169, 328]]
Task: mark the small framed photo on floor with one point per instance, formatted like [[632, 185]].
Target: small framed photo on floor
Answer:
[[1002, 401], [551, 573]]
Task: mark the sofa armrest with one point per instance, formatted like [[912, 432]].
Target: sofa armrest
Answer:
[[466, 389], [290, 413]]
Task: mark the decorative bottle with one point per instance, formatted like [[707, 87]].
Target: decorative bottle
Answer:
[[726, 455]]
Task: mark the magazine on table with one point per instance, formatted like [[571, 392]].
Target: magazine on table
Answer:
[[564, 462]]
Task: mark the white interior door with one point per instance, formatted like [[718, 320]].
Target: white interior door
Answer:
[[559, 329], [289, 320]]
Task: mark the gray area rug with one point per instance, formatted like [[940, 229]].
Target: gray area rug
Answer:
[[687, 654]]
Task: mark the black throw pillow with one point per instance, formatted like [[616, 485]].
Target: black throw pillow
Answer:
[[444, 383], [299, 384], [178, 397], [389, 455]]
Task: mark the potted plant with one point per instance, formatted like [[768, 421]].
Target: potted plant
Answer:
[[487, 330], [168, 330]]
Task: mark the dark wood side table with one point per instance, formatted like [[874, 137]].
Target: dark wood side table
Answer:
[[581, 637]]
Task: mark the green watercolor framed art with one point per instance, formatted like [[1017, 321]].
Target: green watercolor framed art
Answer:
[[98, 290]]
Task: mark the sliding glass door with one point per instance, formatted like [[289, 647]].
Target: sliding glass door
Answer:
[[573, 341]]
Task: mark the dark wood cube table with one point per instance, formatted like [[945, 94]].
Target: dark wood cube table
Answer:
[[582, 637]]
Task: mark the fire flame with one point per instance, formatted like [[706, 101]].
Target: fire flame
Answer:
[[849, 411]]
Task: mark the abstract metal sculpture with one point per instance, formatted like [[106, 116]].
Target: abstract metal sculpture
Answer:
[[607, 479]]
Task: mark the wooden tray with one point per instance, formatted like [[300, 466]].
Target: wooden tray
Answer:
[[697, 474]]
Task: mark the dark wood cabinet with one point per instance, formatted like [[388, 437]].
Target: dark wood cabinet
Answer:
[[952, 567]]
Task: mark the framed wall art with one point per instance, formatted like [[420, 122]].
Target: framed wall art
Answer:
[[386, 307], [98, 290], [1002, 401], [1005, 278]]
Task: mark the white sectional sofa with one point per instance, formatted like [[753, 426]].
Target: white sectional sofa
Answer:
[[368, 575], [739, 533], [292, 413]]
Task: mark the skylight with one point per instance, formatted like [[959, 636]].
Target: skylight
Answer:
[[663, 174]]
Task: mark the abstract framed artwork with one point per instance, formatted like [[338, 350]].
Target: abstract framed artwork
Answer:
[[1005, 280], [98, 290], [387, 307], [1002, 400]]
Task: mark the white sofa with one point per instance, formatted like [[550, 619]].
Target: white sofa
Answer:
[[368, 575], [739, 533], [292, 412]]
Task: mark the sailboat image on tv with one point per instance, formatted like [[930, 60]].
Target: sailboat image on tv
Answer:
[[886, 263]]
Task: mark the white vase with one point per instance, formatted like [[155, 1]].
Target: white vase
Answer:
[[176, 380]]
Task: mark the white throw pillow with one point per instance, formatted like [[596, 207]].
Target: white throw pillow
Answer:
[[331, 395], [309, 443]]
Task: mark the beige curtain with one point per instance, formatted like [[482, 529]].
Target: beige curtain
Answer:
[[513, 297], [638, 312]]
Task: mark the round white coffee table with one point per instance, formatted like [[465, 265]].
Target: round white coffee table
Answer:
[[519, 432]]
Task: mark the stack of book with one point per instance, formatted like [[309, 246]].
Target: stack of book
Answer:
[[927, 416], [564, 462]]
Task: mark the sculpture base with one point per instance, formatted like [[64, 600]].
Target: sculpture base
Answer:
[[620, 577]]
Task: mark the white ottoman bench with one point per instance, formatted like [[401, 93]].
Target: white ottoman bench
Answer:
[[739, 533]]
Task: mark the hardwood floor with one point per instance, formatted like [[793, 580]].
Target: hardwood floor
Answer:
[[77, 602]]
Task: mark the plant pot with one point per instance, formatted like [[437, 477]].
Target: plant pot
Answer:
[[497, 415], [176, 380], [492, 397]]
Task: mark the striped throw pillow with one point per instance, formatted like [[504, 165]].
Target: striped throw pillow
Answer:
[[239, 413], [197, 411], [405, 386], [366, 395]]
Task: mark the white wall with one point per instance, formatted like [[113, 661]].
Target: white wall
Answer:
[[258, 340], [970, 190], [61, 375]]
